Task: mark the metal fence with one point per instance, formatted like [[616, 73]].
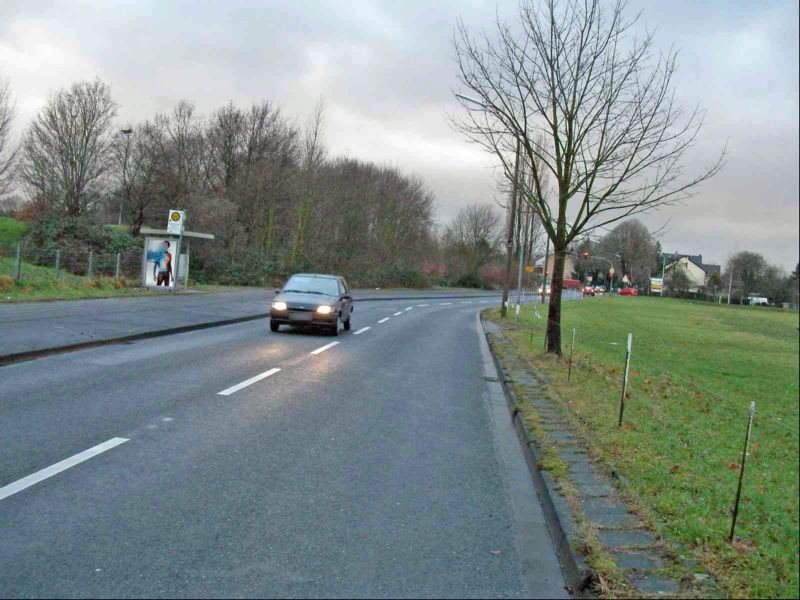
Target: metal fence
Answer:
[[26, 263]]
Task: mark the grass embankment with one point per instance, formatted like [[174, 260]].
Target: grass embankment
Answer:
[[40, 283], [11, 230], [695, 368]]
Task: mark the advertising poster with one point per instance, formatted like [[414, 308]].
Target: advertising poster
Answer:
[[160, 266]]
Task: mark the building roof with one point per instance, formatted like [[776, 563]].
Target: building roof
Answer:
[[696, 259]]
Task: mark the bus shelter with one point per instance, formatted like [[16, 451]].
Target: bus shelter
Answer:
[[166, 258]]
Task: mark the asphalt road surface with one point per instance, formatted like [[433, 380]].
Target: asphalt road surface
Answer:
[[235, 462], [34, 326]]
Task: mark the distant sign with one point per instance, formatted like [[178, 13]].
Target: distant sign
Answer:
[[656, 285], [625, 279], [611, 271], [529, 269], [175, 222]]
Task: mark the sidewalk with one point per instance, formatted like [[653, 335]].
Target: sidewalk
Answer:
[[27, 329]]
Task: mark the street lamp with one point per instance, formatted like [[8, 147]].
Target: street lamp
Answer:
[[587, 256], [127, 133]]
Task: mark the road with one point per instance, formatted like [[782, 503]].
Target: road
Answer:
[[235, 462], [34, 326]]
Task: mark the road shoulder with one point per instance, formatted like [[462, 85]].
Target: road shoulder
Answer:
[[541, 571]]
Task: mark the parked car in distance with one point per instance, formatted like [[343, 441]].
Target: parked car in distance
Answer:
[[631, 291], [312, 300], [588, 291]]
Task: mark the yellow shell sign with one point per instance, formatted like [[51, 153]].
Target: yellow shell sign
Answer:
[[175, 215]]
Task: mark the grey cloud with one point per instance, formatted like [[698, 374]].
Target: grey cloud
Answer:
[[385, 70]]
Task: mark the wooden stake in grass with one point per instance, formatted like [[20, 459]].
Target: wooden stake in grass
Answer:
[[741, 469], [571, 350], [625, 379]]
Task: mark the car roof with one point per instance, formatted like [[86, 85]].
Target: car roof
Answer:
[[320, 275]]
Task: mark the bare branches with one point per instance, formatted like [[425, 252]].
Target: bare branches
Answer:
[[66, 151], [593, 109], [7, 152]]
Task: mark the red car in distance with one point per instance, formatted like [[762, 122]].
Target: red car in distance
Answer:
[[632, 291]]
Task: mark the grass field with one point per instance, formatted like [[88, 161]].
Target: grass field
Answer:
[[695, 368], [11, 230]]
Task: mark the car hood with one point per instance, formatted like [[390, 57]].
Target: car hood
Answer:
[[300, 300]]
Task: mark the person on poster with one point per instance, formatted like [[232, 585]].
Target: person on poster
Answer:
[[162, 268]]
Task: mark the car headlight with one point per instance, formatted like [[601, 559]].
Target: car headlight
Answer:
[[279, 305], [324, 309]]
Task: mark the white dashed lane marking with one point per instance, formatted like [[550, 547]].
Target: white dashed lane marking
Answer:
[[325, 347], [409, 308], [362, 330], [247, 382], [445, 304], [39, 476], [397, 314], [384, 320]]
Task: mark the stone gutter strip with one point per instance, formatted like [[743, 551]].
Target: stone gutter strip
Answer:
[[622, 534]]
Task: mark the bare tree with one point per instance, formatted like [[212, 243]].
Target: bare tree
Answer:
[[313, 157], [631, 246], [473, 237], [614, 135], [7, 153], [65, 152]]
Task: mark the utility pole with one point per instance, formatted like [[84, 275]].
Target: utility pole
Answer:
[[510, 239], [519, 276], [730, 284], [544, 268]]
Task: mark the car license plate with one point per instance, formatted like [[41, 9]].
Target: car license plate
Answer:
[[301, 316]]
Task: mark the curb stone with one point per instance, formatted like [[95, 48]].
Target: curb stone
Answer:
[[633, 549]]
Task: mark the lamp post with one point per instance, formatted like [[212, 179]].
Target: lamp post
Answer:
[[127, 133], [586, 255]]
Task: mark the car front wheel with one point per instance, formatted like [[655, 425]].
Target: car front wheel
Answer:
[[273, 326]]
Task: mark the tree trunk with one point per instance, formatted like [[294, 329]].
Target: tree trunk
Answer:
[[554, 313]]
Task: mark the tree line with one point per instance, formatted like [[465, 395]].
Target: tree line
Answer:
[[264, 185]]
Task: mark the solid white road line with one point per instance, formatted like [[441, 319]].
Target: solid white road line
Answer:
[[445, 304], [384, 320], [409, 308], [362, 330], [26, 482], [325, 347], [397, 314], [247, 382]]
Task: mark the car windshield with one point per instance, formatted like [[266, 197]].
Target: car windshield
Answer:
[[312, 285]]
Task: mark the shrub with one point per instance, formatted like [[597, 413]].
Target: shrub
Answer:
[[6, 283], [468, 280]]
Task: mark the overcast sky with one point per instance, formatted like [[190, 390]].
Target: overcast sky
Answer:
[[385, 70]]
